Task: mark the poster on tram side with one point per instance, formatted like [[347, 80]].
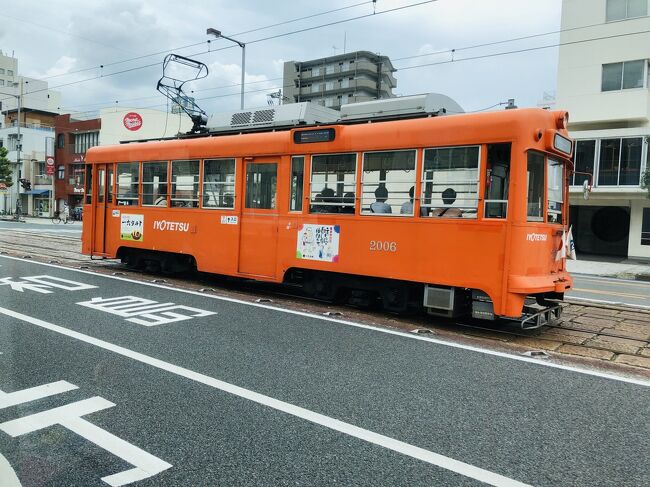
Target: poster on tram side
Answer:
[[132, 227], [318, 242]]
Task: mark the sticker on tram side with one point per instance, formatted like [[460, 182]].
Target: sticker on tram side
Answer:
[[115, 213], [229, 220], [318, 242], [132, 227]]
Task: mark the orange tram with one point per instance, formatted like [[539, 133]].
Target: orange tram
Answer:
[[462, 215]]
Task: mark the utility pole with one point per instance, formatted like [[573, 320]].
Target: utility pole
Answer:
[[19, 146]]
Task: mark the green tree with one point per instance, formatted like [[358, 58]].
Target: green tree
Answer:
[[5, 168]]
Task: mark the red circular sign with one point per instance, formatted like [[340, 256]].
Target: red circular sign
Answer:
[[49, 161], [132, 121]]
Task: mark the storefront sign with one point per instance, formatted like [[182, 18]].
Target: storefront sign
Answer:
[[49, 166]]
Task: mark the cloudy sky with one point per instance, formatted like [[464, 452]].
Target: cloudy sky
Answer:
[[68, 41]]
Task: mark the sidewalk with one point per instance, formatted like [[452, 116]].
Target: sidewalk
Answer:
[[610, 267]]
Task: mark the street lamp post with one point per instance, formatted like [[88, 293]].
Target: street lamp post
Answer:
[[217, 34]]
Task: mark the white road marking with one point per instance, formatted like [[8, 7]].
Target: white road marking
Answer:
[[70, 417], [151, 313], [7, 474], [407, 449], [8, 399], [410, 336]]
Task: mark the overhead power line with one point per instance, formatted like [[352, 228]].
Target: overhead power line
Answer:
[[166, 51]]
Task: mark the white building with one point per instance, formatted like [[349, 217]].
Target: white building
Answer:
[[604, 83]]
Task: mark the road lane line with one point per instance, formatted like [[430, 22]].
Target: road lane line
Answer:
[[387, 331], [610, 293], [398, 446], [7, 474]]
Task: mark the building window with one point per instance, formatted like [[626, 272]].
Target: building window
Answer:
[[60, 141], [333, 183], [76, 174], [315, 88], [83, 142], [219, 183], [185, 183], [12, 139], [315, 71], [645, 227], [623, 76], [450, 181], [2, 70], [329, 69], [60, 172], [584, 161], [2, 82], [388, 182], [329, 85], [620, 162], [626, 9], [10, 72]]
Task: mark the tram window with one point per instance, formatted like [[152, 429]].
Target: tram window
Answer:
[[387, 178], [535, 187], [297, 177], [333, 183], [261, 185], [154, 183], [128, 179], [450, 182], [109, 193], [89, 184], [185, 184], [219, 183], [555, 191], [497, 181], [101, 185]]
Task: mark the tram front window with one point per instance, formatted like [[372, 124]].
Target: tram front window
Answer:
[[555, 191], [535, 187]]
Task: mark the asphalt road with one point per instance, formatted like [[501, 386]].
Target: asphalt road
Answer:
[[610, 290], [222, 392], [73, 229]]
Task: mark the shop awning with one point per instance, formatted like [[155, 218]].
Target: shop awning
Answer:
[[37, 191]]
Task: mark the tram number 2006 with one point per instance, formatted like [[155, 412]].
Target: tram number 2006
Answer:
[[383, 246]]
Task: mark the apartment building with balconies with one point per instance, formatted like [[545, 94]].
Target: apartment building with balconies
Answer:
[[604, 83], [336, 80]]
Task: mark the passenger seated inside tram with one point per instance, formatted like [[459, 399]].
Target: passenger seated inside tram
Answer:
[[380, 206], [407, 207], [160, 201], [325, 196], [348, 200], [448, 198]]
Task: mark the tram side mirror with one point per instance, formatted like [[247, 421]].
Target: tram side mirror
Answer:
[[586, 189]]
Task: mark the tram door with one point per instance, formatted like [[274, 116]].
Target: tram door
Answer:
[[259, 218], [101, 195]]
